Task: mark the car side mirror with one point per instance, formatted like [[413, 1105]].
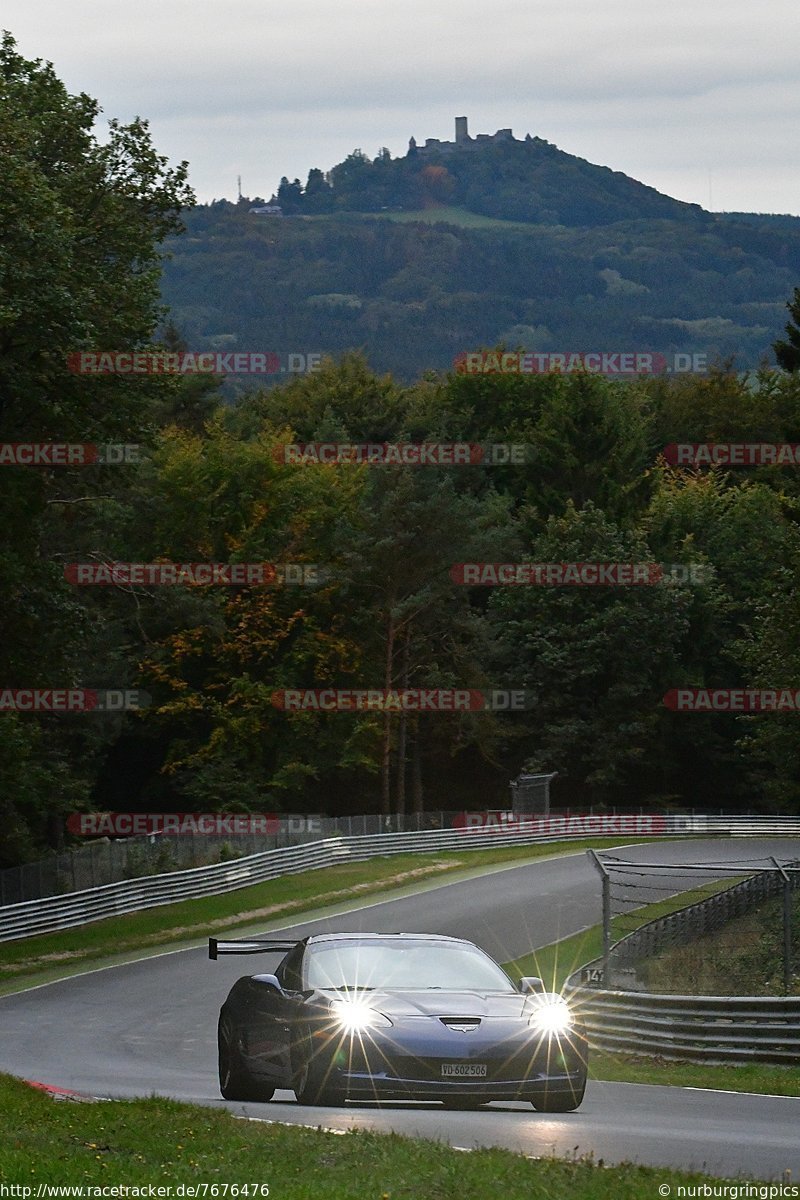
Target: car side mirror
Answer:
[[531, 985], [270, 980]]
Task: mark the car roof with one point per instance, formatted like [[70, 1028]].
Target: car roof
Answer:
[[316, 938]]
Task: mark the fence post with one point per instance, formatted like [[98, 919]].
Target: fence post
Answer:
[[595, 859], [787, 927]]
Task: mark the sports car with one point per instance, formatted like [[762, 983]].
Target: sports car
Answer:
[[372, 1016]]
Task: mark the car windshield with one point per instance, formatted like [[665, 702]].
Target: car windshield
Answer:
[[406, 964]]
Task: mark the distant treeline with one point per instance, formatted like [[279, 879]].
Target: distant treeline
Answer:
[[413, 296], [386, 610]]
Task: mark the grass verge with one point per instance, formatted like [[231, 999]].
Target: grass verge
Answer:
[[54, 955], [762, 1078], [162, 1142], [446, 214], [744, 958]]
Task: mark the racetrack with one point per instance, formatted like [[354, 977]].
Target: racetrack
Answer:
[[150, 1026]]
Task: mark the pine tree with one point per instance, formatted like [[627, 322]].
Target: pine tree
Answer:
[[788, 352]]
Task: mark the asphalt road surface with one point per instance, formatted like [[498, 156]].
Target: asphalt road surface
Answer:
[[150, 1026]]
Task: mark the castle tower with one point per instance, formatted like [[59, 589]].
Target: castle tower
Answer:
[[462, 135]]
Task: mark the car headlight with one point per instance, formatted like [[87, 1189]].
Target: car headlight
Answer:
[[355, 1015], [554, 1017]]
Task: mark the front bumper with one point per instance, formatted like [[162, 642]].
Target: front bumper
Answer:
[[392, 1087], [388, 1065]]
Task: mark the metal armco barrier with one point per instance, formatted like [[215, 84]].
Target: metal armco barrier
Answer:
[[697, 1028], [64, 912]]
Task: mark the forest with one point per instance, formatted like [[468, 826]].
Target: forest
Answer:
[[413, 290]]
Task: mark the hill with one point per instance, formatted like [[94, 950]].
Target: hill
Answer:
[[493, 175], [415, 260]]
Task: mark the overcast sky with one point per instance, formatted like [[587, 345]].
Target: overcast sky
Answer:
[[701, 102]]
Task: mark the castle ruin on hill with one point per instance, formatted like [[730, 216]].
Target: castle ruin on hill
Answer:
[[463, 141]]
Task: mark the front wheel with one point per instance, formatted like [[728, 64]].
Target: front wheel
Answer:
[[312, 1080], [560, 1101], [235, 1081]]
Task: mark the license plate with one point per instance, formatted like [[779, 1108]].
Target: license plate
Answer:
[[464, 1070]]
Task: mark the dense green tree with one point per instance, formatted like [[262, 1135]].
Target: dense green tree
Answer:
[[597, 660], [787, 351], [318, 194], [79, 270], [415, 626], [290, 195], [770, 650]]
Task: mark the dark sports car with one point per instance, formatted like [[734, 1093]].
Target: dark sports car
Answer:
[[374, 1016]]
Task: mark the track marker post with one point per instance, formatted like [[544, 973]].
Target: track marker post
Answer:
[[596, 861]]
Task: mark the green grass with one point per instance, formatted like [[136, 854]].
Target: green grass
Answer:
[[55, 955], [452, 215], [162, 1142], [744, 958], [762, 1078], [443, 213]]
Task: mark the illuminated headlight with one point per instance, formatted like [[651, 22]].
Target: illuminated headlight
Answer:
[[554, 1017], [354, 1015]]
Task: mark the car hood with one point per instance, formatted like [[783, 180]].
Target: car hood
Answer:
[[433, 1002]]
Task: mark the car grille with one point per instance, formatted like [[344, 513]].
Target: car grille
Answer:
[[461, 1024]]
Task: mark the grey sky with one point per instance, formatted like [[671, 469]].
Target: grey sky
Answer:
[[700, 102]]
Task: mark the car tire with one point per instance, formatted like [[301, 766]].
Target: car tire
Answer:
[[312, 1084], [235, 1081], [559, 1101]]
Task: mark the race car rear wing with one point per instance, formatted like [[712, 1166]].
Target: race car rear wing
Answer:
[[247, 946]]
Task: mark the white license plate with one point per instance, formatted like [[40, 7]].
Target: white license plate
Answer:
[[464, 1070]]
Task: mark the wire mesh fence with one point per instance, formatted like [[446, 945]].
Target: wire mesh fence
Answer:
[[107, 860], [709, 905], [111, 860]]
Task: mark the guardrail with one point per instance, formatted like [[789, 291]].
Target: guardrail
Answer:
[[110, 857], [52, 913], [697, 1028], [64, 912]]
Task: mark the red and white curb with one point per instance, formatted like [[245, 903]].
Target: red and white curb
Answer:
[[57, 1093]]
